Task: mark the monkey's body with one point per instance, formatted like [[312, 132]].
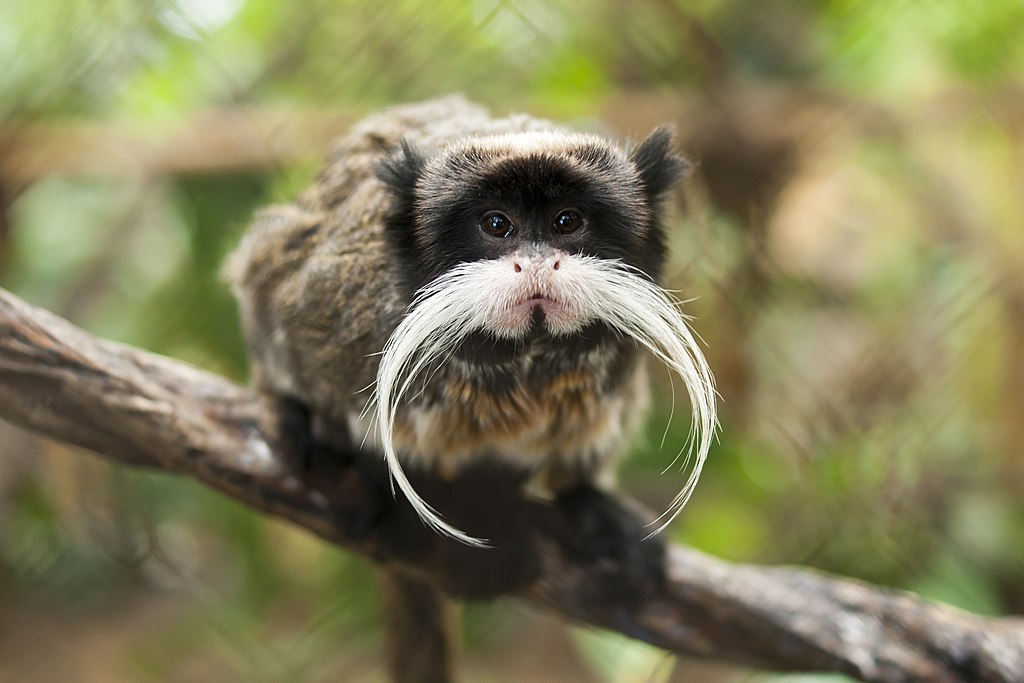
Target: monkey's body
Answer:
[[486, 288], [315, 280], [321, 293]]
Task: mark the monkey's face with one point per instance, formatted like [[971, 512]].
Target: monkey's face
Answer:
[[537, 209]]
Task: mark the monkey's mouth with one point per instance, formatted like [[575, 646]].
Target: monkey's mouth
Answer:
[[541, 306], [537, 303], [538, 311]]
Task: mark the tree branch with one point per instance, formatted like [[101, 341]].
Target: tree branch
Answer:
[[145, 410], [218, 141]]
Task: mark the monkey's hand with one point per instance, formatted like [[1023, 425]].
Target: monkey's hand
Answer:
[[353, 483], [483, 497], [598, 527]]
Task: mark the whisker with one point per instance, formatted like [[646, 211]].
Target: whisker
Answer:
[[445, 311]]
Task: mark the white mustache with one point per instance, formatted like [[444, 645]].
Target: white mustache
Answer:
[[490, 295]]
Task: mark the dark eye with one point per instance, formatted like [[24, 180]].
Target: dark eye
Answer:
[[496, 223], [568, 221]]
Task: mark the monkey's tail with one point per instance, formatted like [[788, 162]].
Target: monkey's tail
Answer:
[[419, 630]]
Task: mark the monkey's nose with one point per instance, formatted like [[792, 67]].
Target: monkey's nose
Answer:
[[536, 263]]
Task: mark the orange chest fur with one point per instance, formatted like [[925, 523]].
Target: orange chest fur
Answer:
[[569, 417]]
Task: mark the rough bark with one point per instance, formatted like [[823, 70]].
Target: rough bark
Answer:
[[146, 410]]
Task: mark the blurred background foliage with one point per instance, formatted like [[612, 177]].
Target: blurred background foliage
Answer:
[[853, 235]]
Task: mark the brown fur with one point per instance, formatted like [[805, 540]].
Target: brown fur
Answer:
[[571, 416], [319, 298], [314, 280]]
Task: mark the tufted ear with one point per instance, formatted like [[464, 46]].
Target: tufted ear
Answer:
[[401, 171], [660, 168]]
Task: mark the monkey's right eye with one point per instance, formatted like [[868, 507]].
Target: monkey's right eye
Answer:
[[496, 223]]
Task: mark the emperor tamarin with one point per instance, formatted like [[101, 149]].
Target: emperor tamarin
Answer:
[[456, 285]]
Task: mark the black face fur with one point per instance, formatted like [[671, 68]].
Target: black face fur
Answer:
[[439, 204]]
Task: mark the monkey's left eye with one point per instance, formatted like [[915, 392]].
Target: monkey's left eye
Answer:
[[569, 221]]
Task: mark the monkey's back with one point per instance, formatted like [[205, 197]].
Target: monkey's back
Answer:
[[317, 288]]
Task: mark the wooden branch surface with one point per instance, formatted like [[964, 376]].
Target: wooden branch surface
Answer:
[[146, 410], [218, 141]]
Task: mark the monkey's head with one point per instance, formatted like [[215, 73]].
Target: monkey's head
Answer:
[[523, 237], [533, 206]]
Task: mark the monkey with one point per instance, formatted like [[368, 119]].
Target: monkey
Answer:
[[457, 286]]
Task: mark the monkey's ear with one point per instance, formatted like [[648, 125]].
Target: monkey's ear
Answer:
[[401, 171], [660, 168]]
